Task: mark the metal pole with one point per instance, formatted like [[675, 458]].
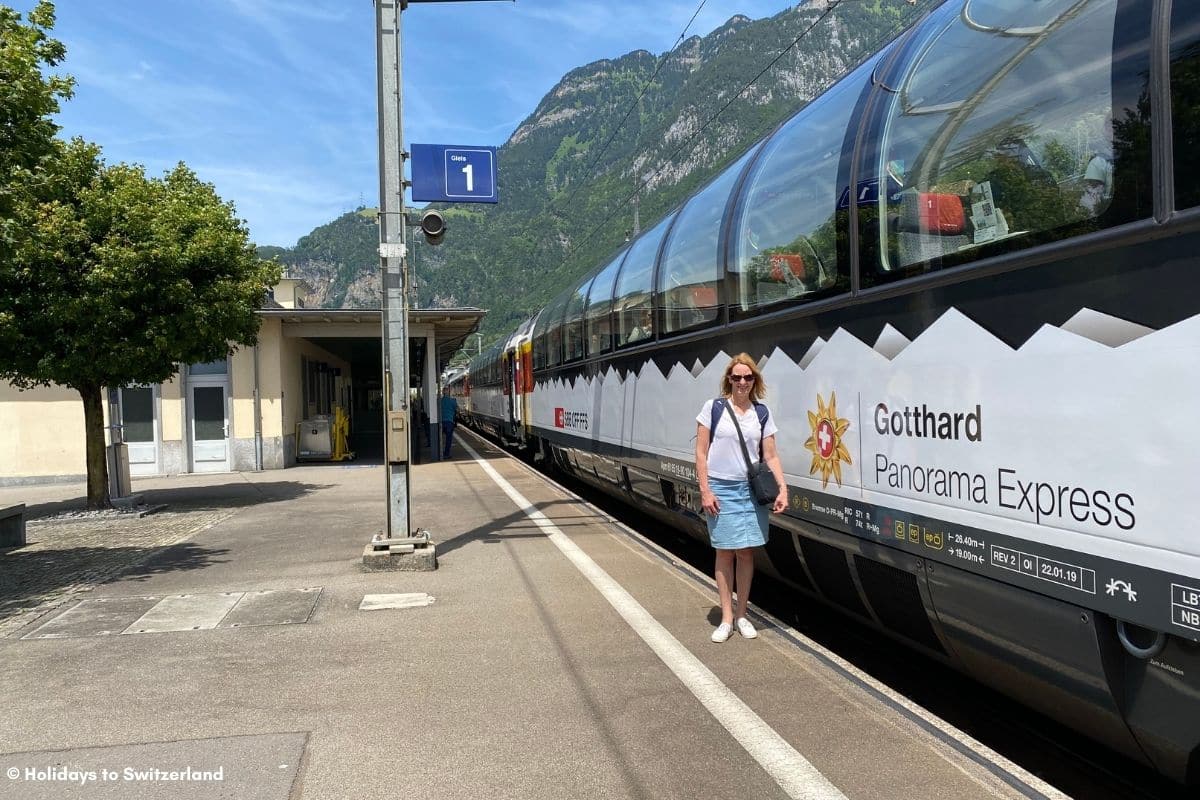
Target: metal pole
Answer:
[[414, 301], [393, 265], [116, 434], [392, 253], [258, 430]]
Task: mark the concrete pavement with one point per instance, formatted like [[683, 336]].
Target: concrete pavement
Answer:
[[518, 680]]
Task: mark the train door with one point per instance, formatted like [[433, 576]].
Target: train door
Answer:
[[514, 398], [527, 386], [507, 388]]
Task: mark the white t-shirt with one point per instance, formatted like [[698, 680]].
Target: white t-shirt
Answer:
[[725, 459]]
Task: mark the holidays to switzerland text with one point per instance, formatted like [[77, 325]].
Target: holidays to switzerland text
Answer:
[[64, 774]]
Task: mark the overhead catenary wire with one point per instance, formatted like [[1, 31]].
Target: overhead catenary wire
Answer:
[[645, 86], [669, 159]]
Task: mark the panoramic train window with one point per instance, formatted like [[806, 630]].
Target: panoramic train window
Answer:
[[541, 338], [631, 298], [1185, 96], [1000, 136], [573, 322], [785, 236], [539, 350], [689, 283], [554, 330], [599, 308]]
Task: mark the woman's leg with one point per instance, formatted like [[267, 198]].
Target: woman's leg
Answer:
[[745, 574], [724, 575]]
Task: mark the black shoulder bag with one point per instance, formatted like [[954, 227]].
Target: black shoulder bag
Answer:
[[763, 485]]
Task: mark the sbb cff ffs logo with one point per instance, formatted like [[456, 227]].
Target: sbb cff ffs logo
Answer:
[[573, 420]]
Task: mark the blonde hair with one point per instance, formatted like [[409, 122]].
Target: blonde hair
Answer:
[[758, 391]]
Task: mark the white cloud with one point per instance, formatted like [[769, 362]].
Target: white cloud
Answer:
[[274, 101]]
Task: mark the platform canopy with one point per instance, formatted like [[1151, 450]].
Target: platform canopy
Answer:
[[354, 334]]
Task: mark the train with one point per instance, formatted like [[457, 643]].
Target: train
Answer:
[[970, 273]]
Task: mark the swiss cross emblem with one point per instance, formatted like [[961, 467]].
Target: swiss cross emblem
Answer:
[[826, 445], [825, 438]]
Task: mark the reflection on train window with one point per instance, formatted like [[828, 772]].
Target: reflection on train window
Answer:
[[599, 308], [573, 322], [1001, 135], [631, 298], [1185, 95], [539, 351], [785, 236], [689, 282], [554, 335], [997, 16], [541, 357]]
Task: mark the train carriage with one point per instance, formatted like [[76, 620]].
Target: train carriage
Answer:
[[502, 382], [969, 271]]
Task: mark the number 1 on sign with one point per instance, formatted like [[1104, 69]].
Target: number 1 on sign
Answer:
[[470, 173]]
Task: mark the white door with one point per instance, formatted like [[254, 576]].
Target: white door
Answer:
[[140, 430], [210, 428]]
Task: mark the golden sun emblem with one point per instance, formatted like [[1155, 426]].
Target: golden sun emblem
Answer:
[[826, 441]]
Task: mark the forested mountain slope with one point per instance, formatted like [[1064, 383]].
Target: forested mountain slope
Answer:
[[569, 171]]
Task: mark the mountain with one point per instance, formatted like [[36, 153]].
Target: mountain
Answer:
[[339, 260], [568, 173]]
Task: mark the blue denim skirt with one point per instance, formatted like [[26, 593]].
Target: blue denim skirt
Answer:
[[741, 521]]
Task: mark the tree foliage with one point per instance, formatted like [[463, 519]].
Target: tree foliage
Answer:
[[123, 277], [28, 98], [118, 278]]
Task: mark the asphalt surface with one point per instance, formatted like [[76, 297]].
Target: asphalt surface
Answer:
[[220, 648]]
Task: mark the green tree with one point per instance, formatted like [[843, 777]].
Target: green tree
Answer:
[[120, 279], [28, 98]]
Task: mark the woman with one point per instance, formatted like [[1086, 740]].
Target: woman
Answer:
[[736, 523]]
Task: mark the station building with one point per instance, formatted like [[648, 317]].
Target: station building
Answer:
[[242, 413]]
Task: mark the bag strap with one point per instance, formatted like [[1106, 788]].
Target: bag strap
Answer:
[[718, 408], [741, 439], [763, 412]]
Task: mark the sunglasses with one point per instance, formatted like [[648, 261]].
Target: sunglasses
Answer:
[[746, 378]]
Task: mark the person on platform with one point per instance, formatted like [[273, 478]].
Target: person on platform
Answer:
[[448, 413], [736, 523]]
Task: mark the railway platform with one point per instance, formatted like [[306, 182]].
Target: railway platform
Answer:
[[230, 645]]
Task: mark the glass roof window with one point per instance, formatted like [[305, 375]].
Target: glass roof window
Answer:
[[635, 284], [689, 283]]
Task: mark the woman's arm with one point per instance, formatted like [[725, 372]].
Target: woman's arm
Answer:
[[771, 456], [708, 501]]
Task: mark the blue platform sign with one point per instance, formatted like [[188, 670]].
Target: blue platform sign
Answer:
[[453, 173]]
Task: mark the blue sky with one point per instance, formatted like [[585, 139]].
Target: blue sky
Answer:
[[274, 101]]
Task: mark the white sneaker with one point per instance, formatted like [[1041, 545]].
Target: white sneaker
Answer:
[[745, 628], [722, 633]]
